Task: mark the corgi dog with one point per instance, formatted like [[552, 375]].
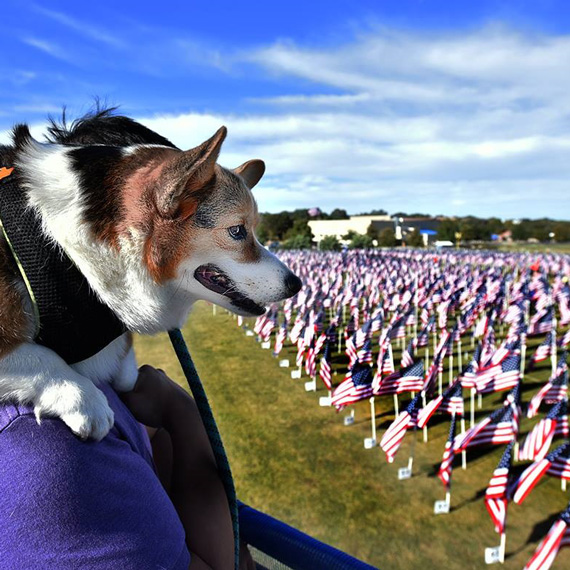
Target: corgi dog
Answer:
[[152, 229]]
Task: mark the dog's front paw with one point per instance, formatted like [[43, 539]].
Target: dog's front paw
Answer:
[[83, 408]]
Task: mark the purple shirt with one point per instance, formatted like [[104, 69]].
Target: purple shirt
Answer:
[[66, 504]]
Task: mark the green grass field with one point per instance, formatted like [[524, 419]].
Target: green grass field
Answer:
[[536, 247], [299, 463]]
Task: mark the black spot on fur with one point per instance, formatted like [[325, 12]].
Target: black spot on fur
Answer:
[[21, 136], [101, 198], [103, 127]]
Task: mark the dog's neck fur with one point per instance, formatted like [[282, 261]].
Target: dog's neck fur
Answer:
[[116, 274]]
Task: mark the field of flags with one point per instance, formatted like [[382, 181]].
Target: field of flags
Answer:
[[462, 325]]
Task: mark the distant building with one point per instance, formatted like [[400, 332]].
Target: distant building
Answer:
[[339, 228], [360, 225]]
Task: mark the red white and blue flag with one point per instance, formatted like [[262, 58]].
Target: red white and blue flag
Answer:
[[325, 368], [499, 377], [499, 428], [498, 494], [538, 441], [557, 537], [356, 386], [394, 435], [451, 401], [556, 464], [446, 467], [410, 379], [554, 390]]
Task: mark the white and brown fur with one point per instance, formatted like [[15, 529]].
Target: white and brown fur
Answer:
[[138, 219]]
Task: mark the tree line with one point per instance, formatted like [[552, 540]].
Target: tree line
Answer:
[[291, 229]]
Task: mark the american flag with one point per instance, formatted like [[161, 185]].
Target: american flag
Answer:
[[364, 355], [280, 338], [410, 379], [351, 351], [469, 373], [538, 441], [544, 349], [503, 376], [565, 339], [498, 428], [356, 386], [398, 327], [363, 334], [481, 328], [542, 321], [423, 337], [311, 360], [446, 466], [497, 494], [300, 352], [392, 438], [409, 353], [325, 369], [557, 537], [556, 464], [451, 401], [511, 345], [385, 361], [268, 327], [554, 390]]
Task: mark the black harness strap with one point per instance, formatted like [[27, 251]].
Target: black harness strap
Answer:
[[73, 321]]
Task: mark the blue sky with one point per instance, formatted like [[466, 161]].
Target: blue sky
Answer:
[[454, 107]]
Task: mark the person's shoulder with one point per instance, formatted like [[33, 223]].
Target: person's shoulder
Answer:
[[10, 413], [97, 501]]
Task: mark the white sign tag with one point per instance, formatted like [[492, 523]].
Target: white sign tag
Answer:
[[441, 507], [311, 386], [296, 374], [266, 344], [249, 333], [492, 555], [325, 401], [284, 364], [404, 473], [348, 420], [369, 443]]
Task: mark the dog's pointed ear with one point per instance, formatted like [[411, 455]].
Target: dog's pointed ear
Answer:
[[188, 175], [251, 171]]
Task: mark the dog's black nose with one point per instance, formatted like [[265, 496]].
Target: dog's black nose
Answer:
[[293, 284]]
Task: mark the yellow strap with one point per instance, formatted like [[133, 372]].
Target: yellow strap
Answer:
[[4, 172]]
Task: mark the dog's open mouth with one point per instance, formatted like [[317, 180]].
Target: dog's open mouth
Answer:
[[214, 279]]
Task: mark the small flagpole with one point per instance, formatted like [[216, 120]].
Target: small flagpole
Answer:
[[427, 358], [425, 430], [464, 452], [451, 367], [440, 381], [340, 333], [563, 484], [413, 449], [396, 406], [503, 547], [448, 496], [459, 356], [373, 418], [472, 407], [553, 354]]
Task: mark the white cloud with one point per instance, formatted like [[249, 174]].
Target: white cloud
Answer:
[[476, 122]]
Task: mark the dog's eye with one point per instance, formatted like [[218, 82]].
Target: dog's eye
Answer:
[[238, 232]]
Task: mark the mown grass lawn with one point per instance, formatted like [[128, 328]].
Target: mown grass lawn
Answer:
[[299, 463]]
